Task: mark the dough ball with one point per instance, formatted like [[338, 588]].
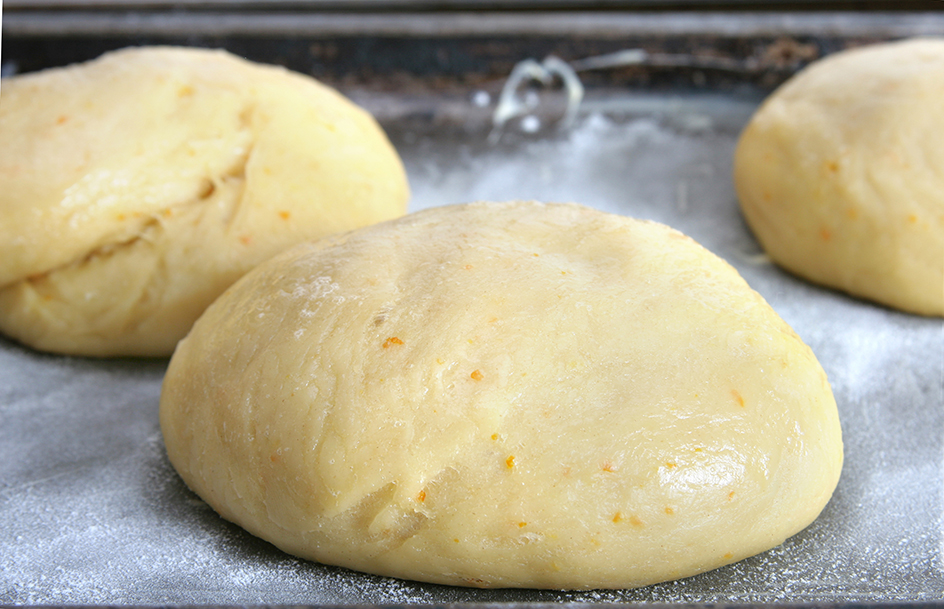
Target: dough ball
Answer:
[[839, 174], [504, 395], [137, 187]]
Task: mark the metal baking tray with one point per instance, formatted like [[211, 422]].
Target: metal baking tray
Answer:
[[91, 512]]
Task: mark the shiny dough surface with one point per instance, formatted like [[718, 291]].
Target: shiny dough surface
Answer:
[[840, 174], [137, 187], [504, 395]]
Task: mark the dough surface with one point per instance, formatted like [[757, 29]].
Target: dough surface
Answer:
[[504, 395], [137, 187], [839, 174]]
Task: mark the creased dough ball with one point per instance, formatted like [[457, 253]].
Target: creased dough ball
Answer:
[[839, 174], [504, 395], [135, 188]]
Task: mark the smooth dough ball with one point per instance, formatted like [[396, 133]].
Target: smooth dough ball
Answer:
[[839, 174], [137, 187], [504, 395]]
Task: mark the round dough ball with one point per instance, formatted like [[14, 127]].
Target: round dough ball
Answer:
[[137, 187], [839, 174], [504, 395]]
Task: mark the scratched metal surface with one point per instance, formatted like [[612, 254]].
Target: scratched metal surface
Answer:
[[91, 512]]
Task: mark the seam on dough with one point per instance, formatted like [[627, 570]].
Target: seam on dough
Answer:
[[158, 219], [379, 505], [238, 170], [154, 222], [237, 175], [157, 277], [104, 250]]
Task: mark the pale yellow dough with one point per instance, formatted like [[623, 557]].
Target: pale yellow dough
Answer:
[[135, 188], [840, 174], [504, 395]]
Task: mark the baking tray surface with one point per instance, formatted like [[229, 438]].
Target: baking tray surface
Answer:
[[93, 513]]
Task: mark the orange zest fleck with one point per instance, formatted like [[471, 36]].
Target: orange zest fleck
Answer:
[[728, 556], [421, 496], [476, 375], [825, 234], [62, 119], [467, 267], [245, 239], [510, 461], [494, 436], [635, 521], [284, 215], [730, 495], [669, 464], [607, 466], [669, 510], [617, 517], [912, 218], [522, 525], [738, 397], [393, 340]]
